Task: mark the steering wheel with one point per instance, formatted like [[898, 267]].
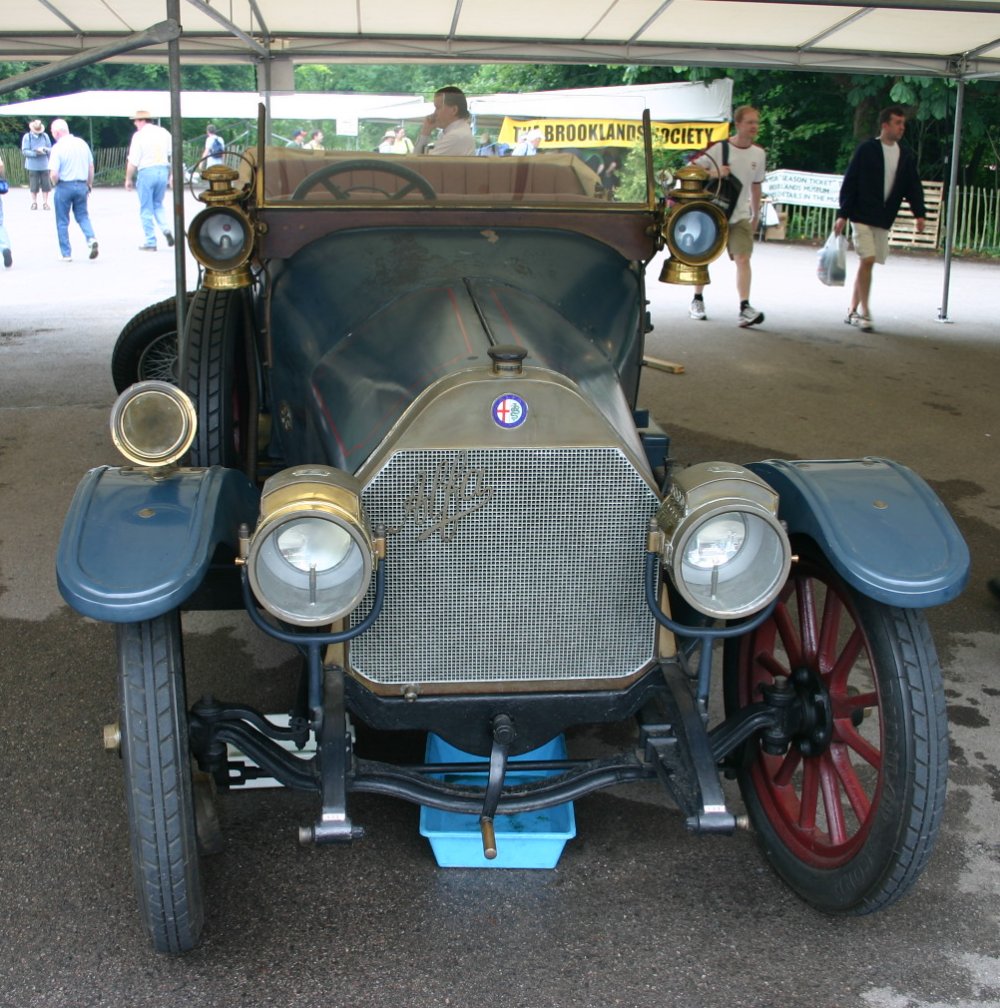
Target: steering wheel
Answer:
[[324, 177]]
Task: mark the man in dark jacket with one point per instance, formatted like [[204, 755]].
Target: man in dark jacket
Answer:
[[882, 173]]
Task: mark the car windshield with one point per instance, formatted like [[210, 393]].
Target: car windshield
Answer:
[[527, 150]]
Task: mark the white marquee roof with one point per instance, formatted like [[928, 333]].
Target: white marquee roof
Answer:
[[933, 37], [221, 105], [682, 101]]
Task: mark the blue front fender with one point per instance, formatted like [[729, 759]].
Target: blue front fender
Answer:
[[880, 525], [134, 547]]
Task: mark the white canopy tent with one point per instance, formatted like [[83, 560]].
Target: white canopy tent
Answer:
[[221, 105], [946, 38], [708, 101], [697, 101]]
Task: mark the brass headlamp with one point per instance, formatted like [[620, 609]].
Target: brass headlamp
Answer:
[[695, 229], [221, 237]]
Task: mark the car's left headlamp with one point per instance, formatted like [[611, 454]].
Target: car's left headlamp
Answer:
[[221, 238], [311, 557], [153, 423], [695, 230], [724, 548]]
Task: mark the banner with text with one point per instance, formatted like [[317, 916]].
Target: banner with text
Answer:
[[613, 133], [803, 188]]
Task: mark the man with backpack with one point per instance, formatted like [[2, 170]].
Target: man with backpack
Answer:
[[215, 146], [745, 160]]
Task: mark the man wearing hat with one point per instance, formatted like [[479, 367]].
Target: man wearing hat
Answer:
[[148, 168], [388, 142], [298, 139], [35, 146]]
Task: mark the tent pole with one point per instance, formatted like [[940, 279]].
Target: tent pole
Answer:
[[177, 158], [950, 223]]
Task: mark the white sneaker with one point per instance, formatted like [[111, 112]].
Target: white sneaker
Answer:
[[865, 323], [697, 310], [67, 258], [852, 318], [749, 316], [92, 244]]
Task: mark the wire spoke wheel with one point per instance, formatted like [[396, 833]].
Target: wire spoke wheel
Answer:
[[146, 348], [848, 812]]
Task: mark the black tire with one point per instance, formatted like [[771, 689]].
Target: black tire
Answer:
[[848, 822], [218, 377], [147, 347], [158, 789]]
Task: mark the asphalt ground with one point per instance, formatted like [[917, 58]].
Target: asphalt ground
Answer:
[[638, 913]]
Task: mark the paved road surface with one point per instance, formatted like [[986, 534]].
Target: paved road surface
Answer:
[[638, 913]]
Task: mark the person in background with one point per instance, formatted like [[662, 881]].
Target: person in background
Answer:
[[215, 147], [528, 146], [148, 168], [315, 141], [451, 117], [492, 148], [35, 146], [298, 139], [881, 174], [747, 162], [402, 143], [71, 171], [388, 142], [8, 258]]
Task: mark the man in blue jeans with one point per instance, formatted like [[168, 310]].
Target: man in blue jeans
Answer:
[[71, 169], [148, 165]]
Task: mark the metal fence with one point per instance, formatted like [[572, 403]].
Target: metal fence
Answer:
[[977, 221], [109, 164]]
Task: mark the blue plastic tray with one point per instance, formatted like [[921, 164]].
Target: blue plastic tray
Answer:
[[524, 840]]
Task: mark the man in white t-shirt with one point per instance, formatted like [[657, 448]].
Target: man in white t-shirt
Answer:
[[747, 162], [148, 171]]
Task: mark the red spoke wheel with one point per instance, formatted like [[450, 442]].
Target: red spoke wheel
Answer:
[[849, 810]]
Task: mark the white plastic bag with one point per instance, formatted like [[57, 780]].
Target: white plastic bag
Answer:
[[831, 264]]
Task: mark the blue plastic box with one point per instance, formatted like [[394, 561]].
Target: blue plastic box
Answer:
[[524, 840]]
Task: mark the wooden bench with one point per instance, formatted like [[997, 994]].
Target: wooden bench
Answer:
[[904, 232]]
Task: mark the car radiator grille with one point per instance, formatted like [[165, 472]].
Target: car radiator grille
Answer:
[[509, 565]]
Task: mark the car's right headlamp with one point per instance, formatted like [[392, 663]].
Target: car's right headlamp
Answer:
[[695, 230], [221, 238], [311, 557], [723, 547]]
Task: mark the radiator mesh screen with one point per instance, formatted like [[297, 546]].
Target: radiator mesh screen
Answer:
[[509, 565]]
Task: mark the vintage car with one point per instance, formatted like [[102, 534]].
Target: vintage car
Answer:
[[406, 437]]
